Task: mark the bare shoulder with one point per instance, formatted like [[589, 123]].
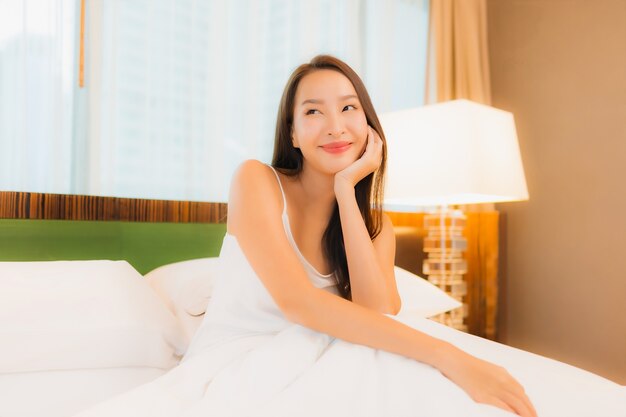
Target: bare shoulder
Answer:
[[253, 179], [253, 185], [251, 169]]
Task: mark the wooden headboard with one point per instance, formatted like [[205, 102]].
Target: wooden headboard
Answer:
[[146, 233], [150, 233]]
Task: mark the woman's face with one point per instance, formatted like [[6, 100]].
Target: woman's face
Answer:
[[329, 125]]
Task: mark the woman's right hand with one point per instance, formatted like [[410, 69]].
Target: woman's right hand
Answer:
[[487, 383]]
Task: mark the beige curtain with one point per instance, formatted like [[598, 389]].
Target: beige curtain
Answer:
[[458, 67], [458, 60]]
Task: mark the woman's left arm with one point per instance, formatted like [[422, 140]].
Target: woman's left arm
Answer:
[[370, 264]]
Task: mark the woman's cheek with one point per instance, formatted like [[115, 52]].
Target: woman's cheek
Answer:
[[363, 131], [359, 126], [310, 129], [363, 146], [302, 133]]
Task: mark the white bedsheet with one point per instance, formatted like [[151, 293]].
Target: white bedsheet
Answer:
[[63, 393]]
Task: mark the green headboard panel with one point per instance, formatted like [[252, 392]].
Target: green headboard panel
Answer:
[[144, 245]]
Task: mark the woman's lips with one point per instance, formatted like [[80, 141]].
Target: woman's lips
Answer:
[[336, 147]]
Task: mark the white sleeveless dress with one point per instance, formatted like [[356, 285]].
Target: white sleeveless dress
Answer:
[[247, 359]]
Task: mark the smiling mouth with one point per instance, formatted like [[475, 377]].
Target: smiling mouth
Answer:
[[336, 147]]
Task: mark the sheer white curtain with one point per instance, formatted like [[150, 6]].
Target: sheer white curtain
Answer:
[[37, 87], [395, 51], [179, 92], [188, 89]]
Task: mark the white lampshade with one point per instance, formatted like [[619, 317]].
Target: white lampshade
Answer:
[[455, 152]]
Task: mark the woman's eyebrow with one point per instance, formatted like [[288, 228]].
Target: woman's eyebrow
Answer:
[[318, 101]]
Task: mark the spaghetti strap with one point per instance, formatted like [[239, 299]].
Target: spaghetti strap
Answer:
[[281, 190]]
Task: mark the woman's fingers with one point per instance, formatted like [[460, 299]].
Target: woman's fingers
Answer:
[[377, 148], [518, 395], [488, 383], [510, 396], [368, 140], [521, 403], [370, 147], [496, 402], [529, 404], [519, 406]]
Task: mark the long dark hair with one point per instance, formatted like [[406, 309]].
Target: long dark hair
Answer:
[[289, 161]]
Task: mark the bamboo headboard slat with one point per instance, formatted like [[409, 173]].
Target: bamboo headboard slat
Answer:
[[23, 205]]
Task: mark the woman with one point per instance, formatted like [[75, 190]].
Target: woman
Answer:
[[330, 157], [301, 320]]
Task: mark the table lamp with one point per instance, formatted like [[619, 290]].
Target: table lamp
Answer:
[[445, 154]]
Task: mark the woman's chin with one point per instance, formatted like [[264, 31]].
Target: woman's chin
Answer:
[[326, 167], [332, 164], [338, 165]]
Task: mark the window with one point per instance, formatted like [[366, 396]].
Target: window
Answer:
[[180, 92]]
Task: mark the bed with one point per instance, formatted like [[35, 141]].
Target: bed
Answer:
[[90, 309]]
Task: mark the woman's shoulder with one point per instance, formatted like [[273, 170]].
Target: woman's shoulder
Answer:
[[255, 179], [252, 172], [252, 166], [253, 185]]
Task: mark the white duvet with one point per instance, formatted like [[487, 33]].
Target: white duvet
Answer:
[[247, 359], [299, 372]]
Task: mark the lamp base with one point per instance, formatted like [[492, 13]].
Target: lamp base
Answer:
[[445, 265]]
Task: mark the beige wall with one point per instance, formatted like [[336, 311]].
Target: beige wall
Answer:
[[560, 67]]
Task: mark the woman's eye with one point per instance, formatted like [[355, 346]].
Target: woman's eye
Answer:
[[310, 111], [349, 105]]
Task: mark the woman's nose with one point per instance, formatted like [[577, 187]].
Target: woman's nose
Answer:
[[336, 127]]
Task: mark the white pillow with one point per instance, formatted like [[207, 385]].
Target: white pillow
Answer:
[[185, 287], [63, 315], [420, 297]]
